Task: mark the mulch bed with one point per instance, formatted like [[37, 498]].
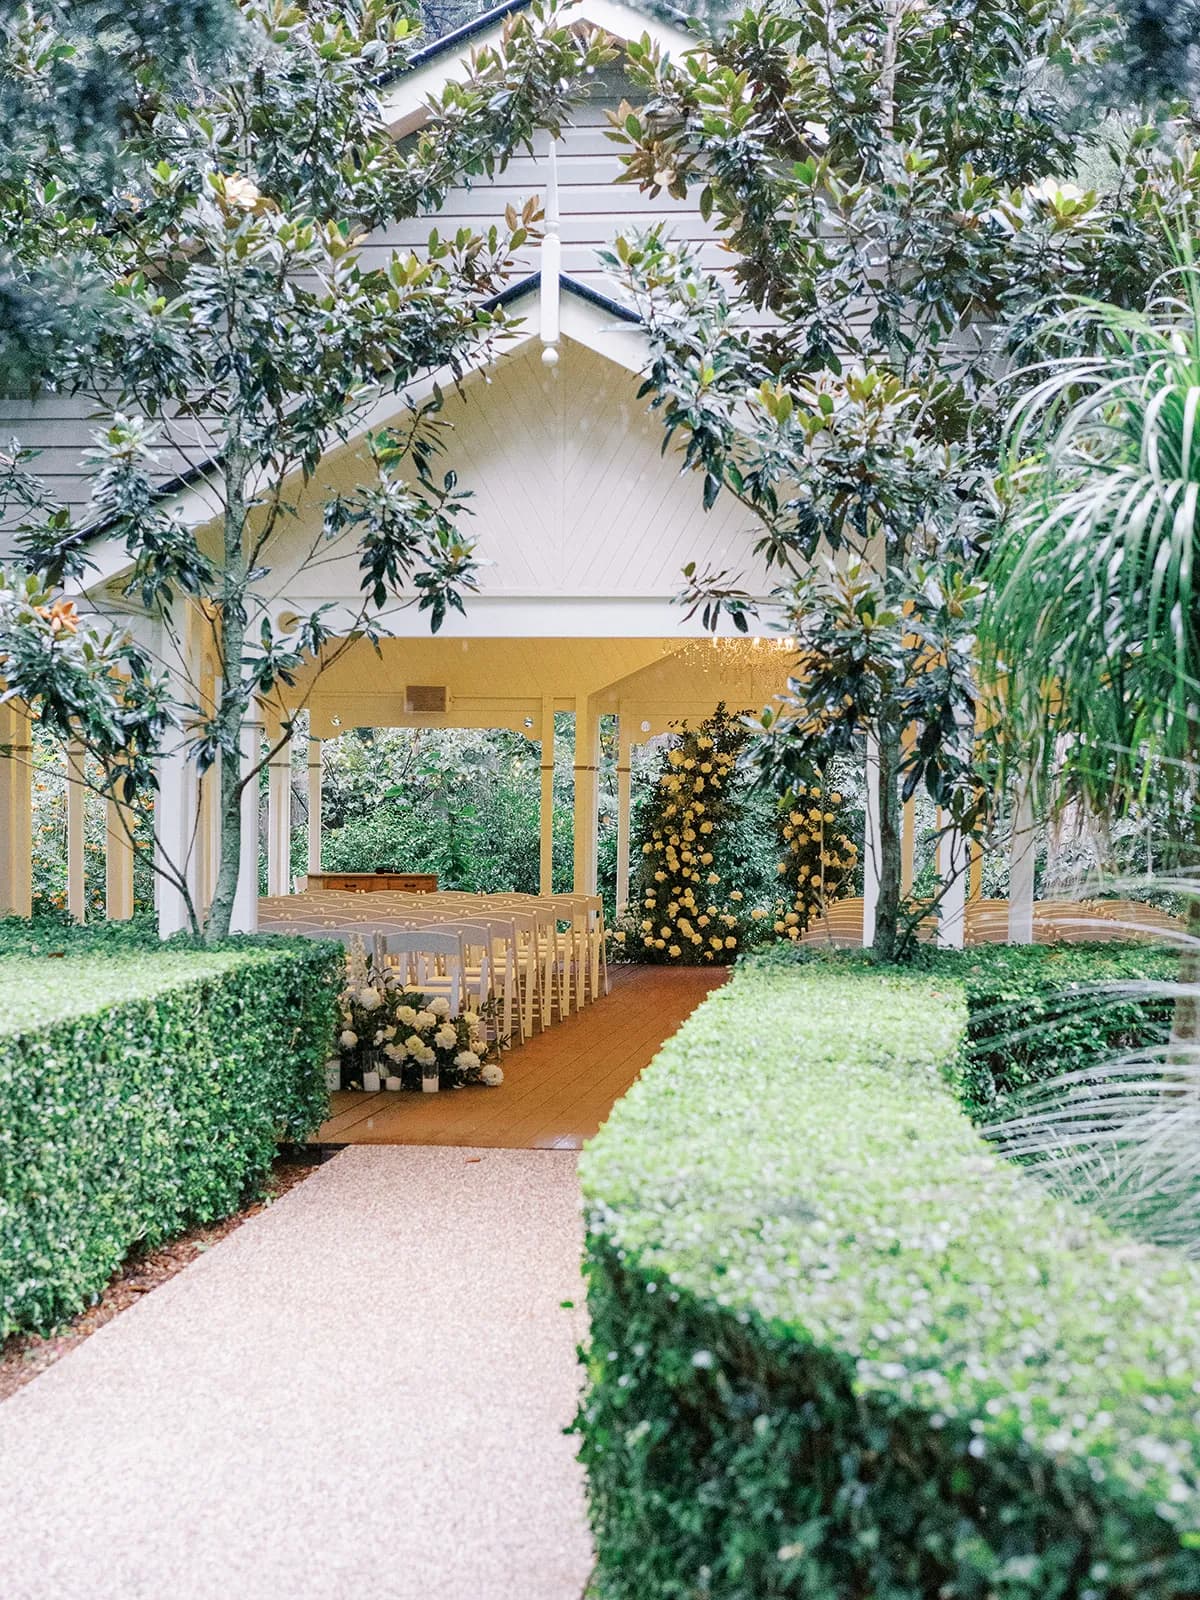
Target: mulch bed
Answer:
[[26, 1354]]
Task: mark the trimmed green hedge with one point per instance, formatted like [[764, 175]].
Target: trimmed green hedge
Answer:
[[842, 1351], [142, 1091], [1035, 1011]]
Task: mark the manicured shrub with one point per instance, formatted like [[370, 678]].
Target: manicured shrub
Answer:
[[843, 1351], [1035, 1011], [143, 1090]]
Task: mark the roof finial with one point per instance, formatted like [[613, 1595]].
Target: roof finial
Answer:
[[551, 263]]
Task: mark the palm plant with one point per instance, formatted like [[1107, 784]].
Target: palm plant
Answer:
[[1092, 632], [1093, 626]]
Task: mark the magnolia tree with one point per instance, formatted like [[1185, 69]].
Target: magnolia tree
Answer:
[[895, 183], [239, 321]]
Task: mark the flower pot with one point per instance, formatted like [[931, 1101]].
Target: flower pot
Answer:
[[333, 1076], [430, 1082], [393, 1084], [371, 1082]]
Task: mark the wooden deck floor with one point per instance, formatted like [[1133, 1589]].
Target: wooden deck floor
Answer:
[[558, 1088]]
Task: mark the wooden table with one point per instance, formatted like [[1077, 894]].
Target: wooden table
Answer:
[[366, 882]]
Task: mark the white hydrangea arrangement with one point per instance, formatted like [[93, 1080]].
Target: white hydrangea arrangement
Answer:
[[391, 1028]]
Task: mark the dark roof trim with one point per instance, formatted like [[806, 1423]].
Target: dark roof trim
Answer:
[[581, 291], [457, 36]]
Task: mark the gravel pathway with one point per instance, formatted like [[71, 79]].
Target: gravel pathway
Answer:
[[360, 1393]]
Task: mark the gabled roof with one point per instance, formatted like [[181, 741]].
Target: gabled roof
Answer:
[[406, 94], [603, 325]]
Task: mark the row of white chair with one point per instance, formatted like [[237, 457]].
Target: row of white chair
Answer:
[[533, 955]]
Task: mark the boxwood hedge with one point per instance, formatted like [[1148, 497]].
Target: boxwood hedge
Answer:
[[1035, 1011], [841, 1350], [142, 1090]]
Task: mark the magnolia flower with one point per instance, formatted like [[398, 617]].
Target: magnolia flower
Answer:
[[395, 1052], [406, 1015], [1050, 192], [493, 1075], [440, 1008], [414, 1044], [467, 1060], [427, 1056], [425, 1020], [369, 998], [348, 1039], [471, 1018], [446, 1037], [241, 192]]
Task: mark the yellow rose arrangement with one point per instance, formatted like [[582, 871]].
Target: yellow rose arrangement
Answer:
[[818, 856], [683, 914]]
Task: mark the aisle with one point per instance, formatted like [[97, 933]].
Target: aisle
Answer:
[[358, 1395], [558, 1088]]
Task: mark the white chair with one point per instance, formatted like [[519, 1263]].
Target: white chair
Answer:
[[433, 959]]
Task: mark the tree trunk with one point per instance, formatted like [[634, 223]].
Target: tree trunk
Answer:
[[231, 712], [887, 908]]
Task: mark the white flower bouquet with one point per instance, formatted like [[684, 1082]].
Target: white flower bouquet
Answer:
[[391, 1029]]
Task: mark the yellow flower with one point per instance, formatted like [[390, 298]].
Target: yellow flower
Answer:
[[714, 877], [646, 849], [731, 943], [706, 827], [717, 942], [735, 894], [836, 798], [674, 951]]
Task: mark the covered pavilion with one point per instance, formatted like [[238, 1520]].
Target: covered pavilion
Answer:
[[582, 520]]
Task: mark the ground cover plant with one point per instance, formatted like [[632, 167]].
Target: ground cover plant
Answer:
[[842, 1348], [143, 1090]]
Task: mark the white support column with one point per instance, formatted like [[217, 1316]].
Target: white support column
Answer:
[[624, 807], [175, 807], [16, 813], [1021, 861], [587, 793], [908, 826], [118, 862], [953, 865], [279, 819], [873, 844], [76, 860], [546, 804], [314, 805], [177, 798], [245, 901]]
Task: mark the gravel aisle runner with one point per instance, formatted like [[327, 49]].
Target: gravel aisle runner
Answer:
[[359, 1393]]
